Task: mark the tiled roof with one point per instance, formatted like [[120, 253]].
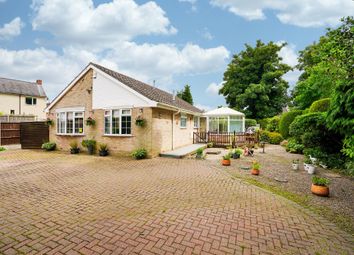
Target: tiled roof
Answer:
[[10, 86], [149, 91]]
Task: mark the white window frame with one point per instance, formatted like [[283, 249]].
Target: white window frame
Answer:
[[121, 114], [73, 126], [183, 116], [194, 121]]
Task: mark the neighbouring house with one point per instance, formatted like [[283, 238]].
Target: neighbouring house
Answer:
[[225, 120], [117, 103], [22, 98]]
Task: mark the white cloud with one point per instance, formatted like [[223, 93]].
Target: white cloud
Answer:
[[11, 29], [301, 13], [80, 22], [203, 107], [192, 2], [214, 88], [288, 54], [292, 77], [206, 34]]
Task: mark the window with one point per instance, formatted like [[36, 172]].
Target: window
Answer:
[[118, 122], [196, 121], [218, 124], [31, 100], [183, 122], [236, 124], [70, 123]]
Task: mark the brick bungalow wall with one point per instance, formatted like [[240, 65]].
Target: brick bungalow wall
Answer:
[[155, 136]]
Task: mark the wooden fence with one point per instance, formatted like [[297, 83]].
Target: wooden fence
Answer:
[[34, 134], [9, 133], [233, 139]]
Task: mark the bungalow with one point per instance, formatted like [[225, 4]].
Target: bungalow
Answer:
[[117, 104]]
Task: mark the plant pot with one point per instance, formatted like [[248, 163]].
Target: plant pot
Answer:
[[235, 156], [295, 166], [255, 171], [311, 169], [90, 149], [103, 153], [226, 162], [75, 150], [198, 156], [322, 191], [306, 167]]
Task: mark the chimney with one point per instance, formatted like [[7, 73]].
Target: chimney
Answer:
[[173, 95], [39, 82]]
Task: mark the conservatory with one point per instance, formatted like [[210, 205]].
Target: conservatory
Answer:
[[224, 120]]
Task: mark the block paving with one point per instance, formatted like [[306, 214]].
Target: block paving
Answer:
[[54, 203]]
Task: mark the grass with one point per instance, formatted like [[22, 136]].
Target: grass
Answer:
[[343, 221], [2, 149]]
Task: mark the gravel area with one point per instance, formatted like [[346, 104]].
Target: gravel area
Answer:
[[276, 170]]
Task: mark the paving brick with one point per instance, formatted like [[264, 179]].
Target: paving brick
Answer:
[[55, 203]]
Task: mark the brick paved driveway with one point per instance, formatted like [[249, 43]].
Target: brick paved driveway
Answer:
[[53, 203]]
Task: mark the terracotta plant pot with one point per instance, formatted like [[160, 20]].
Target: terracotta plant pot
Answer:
[[322, 191], [226, 162], [255, 171]]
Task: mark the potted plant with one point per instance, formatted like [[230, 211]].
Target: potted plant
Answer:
[[320, 186], [74, 147], [49, 146], [49, 122], [139, 153], [90, 145], [307, 162], [226, 160], [199, 153], [140, 121], [295, 164], [236, 153], [210, 145], [90, 121], [103, 151], [255, 168]]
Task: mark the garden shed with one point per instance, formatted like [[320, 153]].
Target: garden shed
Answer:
[[224, 119]]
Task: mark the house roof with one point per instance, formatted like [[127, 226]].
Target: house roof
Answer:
[[16, 87], [149, 91], [223, 111]]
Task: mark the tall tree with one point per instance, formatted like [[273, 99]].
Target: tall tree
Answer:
[[186, 94], [340, 55], [253, 81]]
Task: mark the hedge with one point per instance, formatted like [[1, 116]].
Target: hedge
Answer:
[[263, 123], [321, 105], [285, 120], [271, 137], [273, 124], [250, 123]]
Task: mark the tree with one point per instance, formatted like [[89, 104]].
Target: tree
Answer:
[[253, 81], [186, 94], [341, 113]]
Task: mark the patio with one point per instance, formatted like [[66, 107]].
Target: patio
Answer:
[[55, 203]]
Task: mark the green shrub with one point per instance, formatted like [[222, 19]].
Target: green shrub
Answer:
[[294, 147], [89, 142], [250, 123], [256, 165], [227, 156], [285, 120], [321, 105], [320, 181], [263, 123], [273, 124], [49, 146], [271, 137], [200, 151], [2, 149], [139, 153]]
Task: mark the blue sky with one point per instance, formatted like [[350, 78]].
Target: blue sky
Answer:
[[174, 42]]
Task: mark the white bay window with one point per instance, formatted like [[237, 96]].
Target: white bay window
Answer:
[[70, 123]]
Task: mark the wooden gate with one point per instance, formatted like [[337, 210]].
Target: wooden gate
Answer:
[[9, 133], [34, 134]]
